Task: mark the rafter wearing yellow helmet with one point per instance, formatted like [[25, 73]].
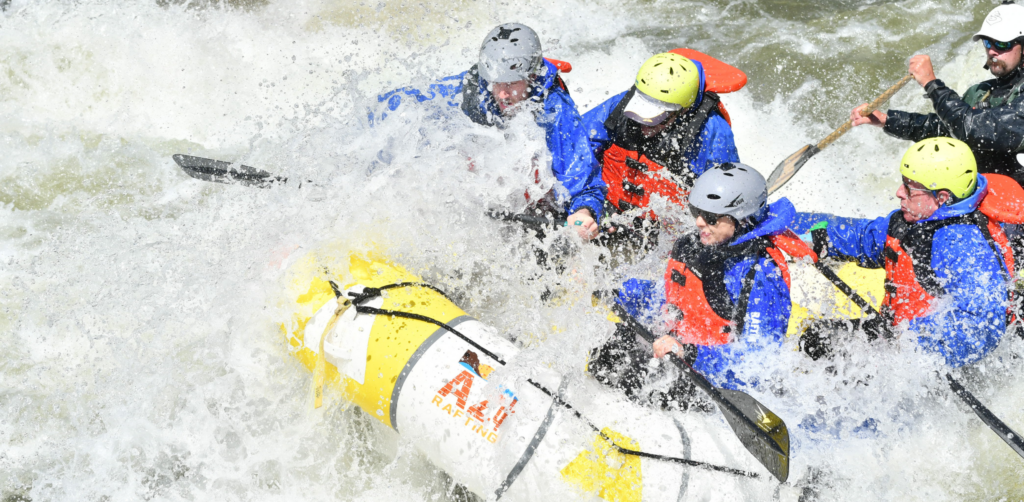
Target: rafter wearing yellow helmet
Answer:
[[942, 164]]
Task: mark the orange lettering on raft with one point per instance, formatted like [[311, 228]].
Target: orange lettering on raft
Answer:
[[477, 410], [458, 413], [465, 383], [502, 414], [447, 408], [436, 400], [492, 437]]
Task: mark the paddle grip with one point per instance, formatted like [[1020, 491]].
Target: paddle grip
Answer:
[[872, 106]]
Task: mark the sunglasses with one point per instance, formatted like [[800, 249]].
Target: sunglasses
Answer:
[[910, 189], [999, 46], [709, 218]]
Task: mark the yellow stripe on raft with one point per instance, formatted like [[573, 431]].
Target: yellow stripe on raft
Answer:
[[393, 340], [867, 282], [611, 474]]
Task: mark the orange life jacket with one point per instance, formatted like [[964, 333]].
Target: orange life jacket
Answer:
[[911, 284], [695, 286], [634, 167]]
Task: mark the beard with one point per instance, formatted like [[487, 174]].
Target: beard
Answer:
[[1000, 68], [997, 67]]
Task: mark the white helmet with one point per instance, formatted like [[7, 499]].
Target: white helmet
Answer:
[[1004, 24], [733, 189], [511, 52]]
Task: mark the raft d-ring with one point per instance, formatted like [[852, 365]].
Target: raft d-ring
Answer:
[[321, 361]]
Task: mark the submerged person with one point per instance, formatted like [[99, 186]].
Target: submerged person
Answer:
[[726, 289], [510, 75], [946, 264], [659, 136], [989, 117]]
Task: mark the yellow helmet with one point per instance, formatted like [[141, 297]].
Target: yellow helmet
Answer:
[[669, 77], [942, 164]]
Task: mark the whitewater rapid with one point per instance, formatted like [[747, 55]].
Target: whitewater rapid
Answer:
[[139, 308]]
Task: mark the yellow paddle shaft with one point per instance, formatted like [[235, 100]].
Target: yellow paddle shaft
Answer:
[[872, 106]]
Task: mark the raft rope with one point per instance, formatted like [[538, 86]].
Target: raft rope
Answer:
[[368, 293]]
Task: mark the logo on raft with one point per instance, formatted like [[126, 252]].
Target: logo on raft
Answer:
[[478, 417]]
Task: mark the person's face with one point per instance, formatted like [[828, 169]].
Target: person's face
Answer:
[[918, 202], [509, 94], [654, 130], [1002, 61], [723, 229]]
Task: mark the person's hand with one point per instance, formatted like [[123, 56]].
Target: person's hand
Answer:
[[921, 69], [583, 223], [875, 118], [667, 344]]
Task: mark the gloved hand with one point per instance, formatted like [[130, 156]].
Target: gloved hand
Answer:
[[816, 339], [818, 335], [875, 327], [819, 239]]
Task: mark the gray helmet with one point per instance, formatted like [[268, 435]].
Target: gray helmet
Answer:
[[511, 52], [737, 190]]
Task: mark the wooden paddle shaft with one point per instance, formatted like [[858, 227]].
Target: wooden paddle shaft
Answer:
[[872, 106]]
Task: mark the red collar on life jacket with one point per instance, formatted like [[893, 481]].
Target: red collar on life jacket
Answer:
[[719, 77], [1005, 200]]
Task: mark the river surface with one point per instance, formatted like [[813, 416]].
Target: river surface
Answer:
[[142, 357]]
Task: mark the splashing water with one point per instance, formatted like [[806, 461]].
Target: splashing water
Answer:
[[138, 306]]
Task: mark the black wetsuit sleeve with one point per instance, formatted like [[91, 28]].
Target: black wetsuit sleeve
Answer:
[[913, 126], [998, 129]]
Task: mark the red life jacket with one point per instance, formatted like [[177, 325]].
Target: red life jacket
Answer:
[[635, 167], [911, 284], [695, 285]]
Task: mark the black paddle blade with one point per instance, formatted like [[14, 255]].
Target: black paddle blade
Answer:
[[1001, 429], [224, 172], [789, 167], [768, 453]]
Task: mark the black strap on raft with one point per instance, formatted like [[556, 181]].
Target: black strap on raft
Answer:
[[369, 293]]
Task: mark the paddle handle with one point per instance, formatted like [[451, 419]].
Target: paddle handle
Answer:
[[872, 106]]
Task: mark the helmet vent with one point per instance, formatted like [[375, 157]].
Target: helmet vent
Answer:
[[670, 71], [714, 196], [936, 148], [921, 148], [728, 174]]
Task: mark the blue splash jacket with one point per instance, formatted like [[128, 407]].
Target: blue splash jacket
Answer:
[[974, 321], [768, 308], [572, 161]]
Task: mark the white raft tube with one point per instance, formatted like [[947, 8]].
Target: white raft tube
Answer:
[[504, 434]]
